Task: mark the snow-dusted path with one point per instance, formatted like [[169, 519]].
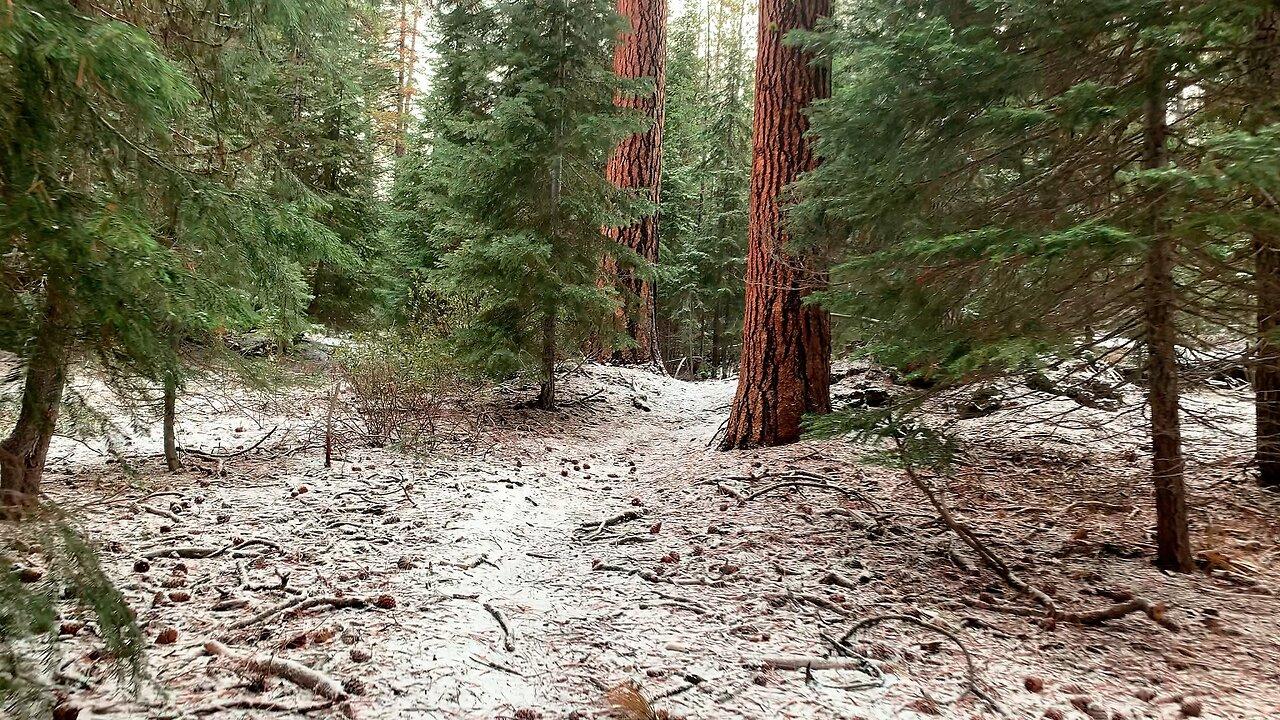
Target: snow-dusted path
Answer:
[[680, 600]]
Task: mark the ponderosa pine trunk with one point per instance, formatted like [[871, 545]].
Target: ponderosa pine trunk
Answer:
[[637, 164], [1264, 81], [1173, 541], [785, 365], [23, 453]]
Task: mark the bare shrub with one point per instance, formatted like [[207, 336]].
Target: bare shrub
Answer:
[[395, 389]]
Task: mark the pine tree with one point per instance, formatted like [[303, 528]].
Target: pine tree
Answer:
[[1020, 182], [636, 165], [149, 193], [1262, 102], [786, 342], [519, 193], [74, 88], [706, 172]]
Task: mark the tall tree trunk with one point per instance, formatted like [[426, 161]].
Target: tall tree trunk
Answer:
[[170, 415], [637, 163], [1264, 82], [1173, 542], [786, 344], [547, 394], [402, 80], [23, 453]]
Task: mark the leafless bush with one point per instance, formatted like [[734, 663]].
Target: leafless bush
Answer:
[[393, 390]]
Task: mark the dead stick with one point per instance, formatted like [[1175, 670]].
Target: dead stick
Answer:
[[807, 663], [295, 672], [189, 553], [1153, 610], [298, 604], [804, 483], [508, 639]]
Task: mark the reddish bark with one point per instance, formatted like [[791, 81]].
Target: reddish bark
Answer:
[[786, 344], [637, 164]]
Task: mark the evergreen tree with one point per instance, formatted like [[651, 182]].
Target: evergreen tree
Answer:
[[461, 93], [1017, 181], [519, 189], [1260, 103], [706, 167], [150, 191], [636, 164]]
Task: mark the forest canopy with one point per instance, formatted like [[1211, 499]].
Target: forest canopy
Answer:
[[870, 221]]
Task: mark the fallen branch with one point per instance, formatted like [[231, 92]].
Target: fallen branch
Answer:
[[295, 672], [228, 456], [472, 565], [788, 662], [971, 686], [188, 553], [508, 639], [810, 483], [815, 600], [157, 511], [261, 704], [1052, 614], [302, 603], [596, 527]]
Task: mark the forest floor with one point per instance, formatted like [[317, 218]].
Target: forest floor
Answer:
[[481, 584]]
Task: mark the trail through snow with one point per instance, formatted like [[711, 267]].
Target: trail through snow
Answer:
[[682, 600]]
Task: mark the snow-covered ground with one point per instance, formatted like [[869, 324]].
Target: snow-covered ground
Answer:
[[689, 597]]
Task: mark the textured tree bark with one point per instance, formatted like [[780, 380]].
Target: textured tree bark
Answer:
[[786, 345], [1173, 542], [23, 453], [637, 164], [1264, 81], [170, 416], [547, 394]]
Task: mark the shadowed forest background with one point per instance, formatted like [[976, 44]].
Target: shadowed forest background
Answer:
[[605, 358]]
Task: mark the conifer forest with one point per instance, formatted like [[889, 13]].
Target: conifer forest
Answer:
[[639, 359]]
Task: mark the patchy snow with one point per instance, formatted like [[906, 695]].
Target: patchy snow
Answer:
[[684, 600]]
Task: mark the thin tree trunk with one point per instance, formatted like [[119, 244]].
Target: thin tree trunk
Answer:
[[547, 395], [402, 79], [637, 164], [170, 415], [23, 453], [1173, 543], [716, 360], [1264, 76], [786, 344]]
